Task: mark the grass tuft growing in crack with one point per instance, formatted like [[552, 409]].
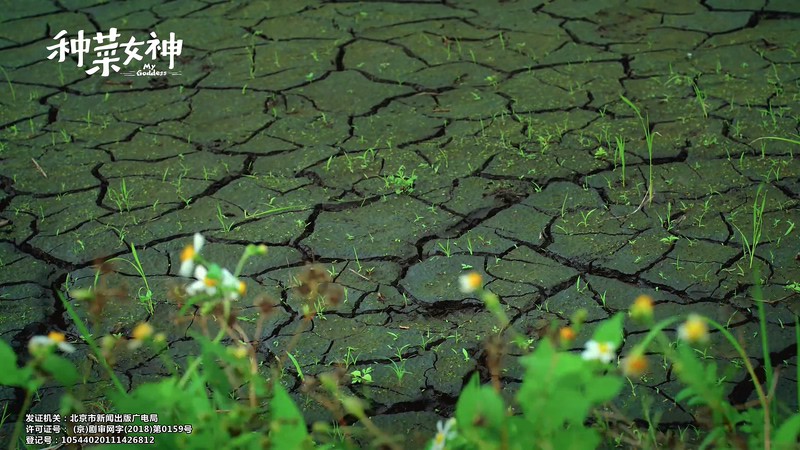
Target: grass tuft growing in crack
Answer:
[[749, 246], [648, 136]]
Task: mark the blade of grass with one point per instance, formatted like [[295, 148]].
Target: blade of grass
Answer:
[[296, 366]]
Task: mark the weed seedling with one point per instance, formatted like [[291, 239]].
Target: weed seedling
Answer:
[[121, 198], [296, 366], [226, 227], [10, 86], [401, 182], [585, 216], [648, 136], [445, 248], [362, 376], [145, 298], [749, 246], [621, 153]]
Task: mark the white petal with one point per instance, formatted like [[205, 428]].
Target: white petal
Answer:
[[186, 268], [38, 342], [195, 287], [66, 347], [200, 273], [229, 280], [199, 240]]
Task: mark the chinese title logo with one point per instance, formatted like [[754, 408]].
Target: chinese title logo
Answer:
[[109, 51]]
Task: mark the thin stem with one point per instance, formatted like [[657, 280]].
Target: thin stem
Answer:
[[762, 398], [193, 366], [759, 299], [12, 445], [92, 344], [656, 329]]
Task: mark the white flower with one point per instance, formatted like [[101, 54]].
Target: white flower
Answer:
[[38, 343], [188, 254], [443, 434], [603, 351], [470, 282], [232, 284], [210, 282], [204, 283]]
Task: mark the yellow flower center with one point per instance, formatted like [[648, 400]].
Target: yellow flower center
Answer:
[[142, 331], [603, 347], [210, 282], [439, 438], [242, 288], [187, 253], [567, 334], [644, 303], [474, 280], [55, 336], [695, 330], [635, 365]]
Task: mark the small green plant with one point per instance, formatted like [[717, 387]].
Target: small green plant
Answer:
[[749, 246], [296, 366], [361, 376], [400, 369], [226, 227], [620, 152], [445, 248], [144, 294], [585, 216], [350, 357], [121, 198], [400, 181], [700, 96], [648, 136], [669, 239], [10, 86]]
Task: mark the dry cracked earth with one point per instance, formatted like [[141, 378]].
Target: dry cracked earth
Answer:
[[399, 144]]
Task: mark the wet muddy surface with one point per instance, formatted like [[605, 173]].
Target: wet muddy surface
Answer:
[[399, 144]]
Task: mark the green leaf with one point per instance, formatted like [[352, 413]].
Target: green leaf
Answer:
[[61, 369], [479, 411], [567, 405], [603, 389], [297, 366], [288, 427], [211, 369], [10, 375], [786, 436], [576, 438], [610, 330]]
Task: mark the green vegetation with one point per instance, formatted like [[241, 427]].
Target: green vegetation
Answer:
[[559, 403], [400, 182], [648, 136]]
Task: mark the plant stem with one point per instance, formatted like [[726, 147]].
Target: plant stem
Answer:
[[193, 366], [12, 445], [92, 344], [762, 398]]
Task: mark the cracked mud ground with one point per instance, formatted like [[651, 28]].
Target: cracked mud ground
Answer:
[[397, 143]]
